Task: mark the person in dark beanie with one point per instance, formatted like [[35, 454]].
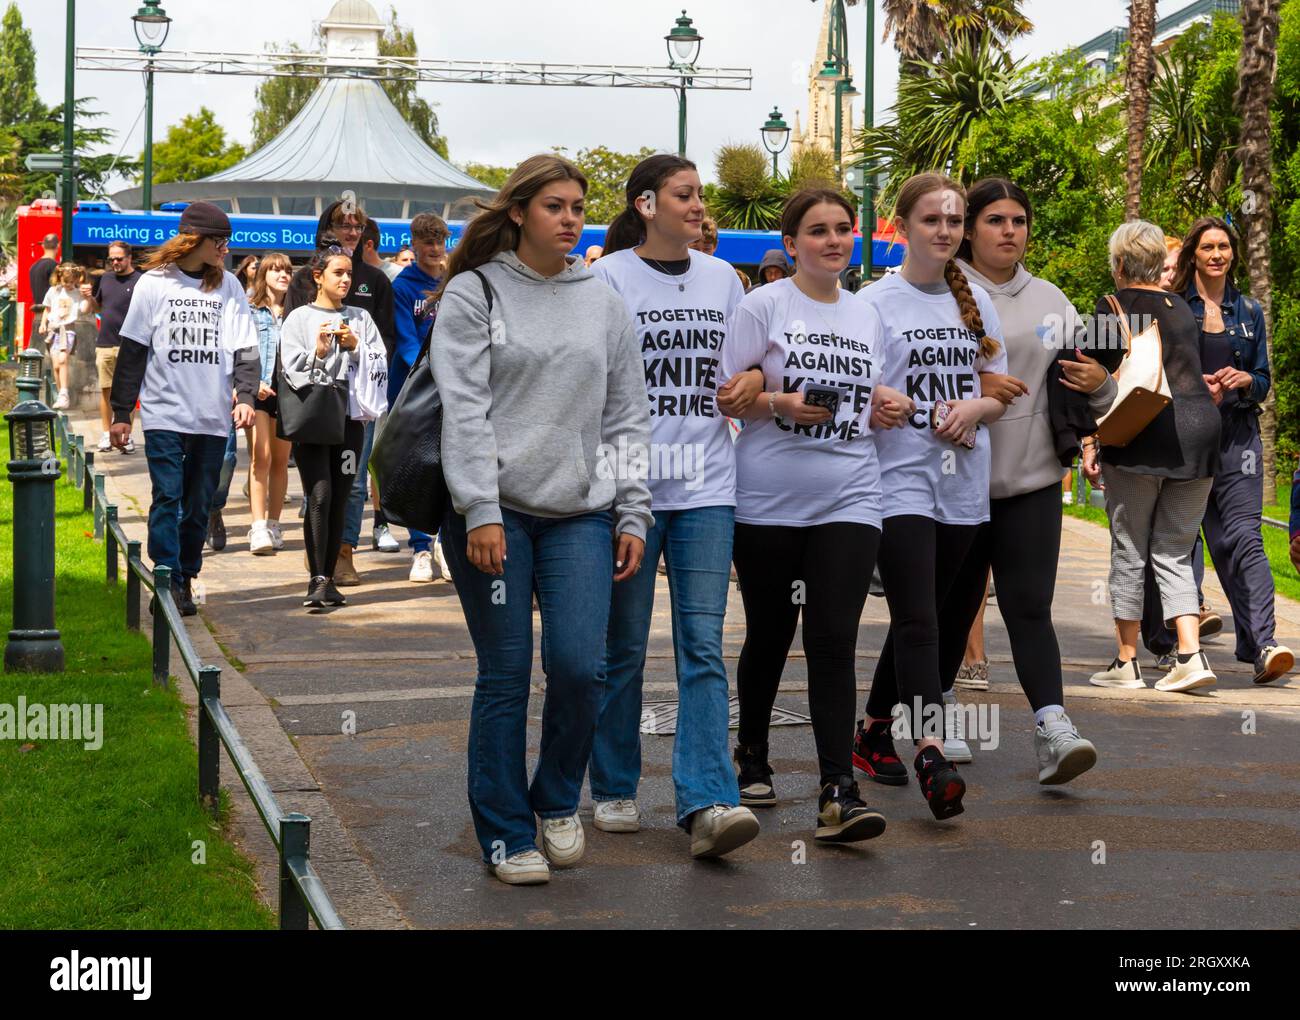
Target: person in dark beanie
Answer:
[[193, 340]]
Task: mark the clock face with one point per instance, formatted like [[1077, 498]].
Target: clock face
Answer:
[[352, 43]]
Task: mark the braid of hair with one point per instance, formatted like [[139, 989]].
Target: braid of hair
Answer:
[[970, 310]]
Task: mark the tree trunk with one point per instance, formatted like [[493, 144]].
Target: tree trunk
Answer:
[[1259, 22], [1137, 83]]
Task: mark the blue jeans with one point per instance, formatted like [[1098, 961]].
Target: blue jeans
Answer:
[[229, 459], [184, 469], [418, 541], [569, 562], [696, 545]]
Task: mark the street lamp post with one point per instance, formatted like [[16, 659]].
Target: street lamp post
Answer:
[[867, 219], [776, 135], [683, 50], [69, 111], [151, 26]]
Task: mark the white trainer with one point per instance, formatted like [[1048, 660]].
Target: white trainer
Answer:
[[1188, 676], [526, 868], [719, 829], [955, 748], [617, 816], [422, 567], [563, 840], [1062, 753], [259, 540], [1119, 674], [105, 443], [442, 560], [277, 537], [129, 447], [383, 540], [61, 401]]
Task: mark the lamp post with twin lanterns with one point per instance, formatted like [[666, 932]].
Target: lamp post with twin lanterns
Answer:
[[151, 26], [683, 51], [34, 645], [776, 136]]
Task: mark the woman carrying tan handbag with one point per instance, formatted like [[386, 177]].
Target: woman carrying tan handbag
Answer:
[[1157, 472]]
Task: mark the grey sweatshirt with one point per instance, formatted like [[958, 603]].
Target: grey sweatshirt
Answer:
[[1035, 314], [535, 400]]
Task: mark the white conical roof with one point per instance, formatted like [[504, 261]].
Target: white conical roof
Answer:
[[352, 12]]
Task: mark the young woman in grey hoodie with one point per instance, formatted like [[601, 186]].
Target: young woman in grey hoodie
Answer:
[[1022, 540], [540, 378]]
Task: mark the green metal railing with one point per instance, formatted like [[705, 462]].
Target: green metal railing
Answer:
[[302, 892]]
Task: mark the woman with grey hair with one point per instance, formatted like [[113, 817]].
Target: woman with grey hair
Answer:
[[1157, 485]]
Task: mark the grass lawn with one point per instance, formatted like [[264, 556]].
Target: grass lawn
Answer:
[[105, 838], [1276, 545]]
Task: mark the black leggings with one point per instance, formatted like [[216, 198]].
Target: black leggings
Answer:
[[1022, 543], [327, 474], [930, 585], [825, 568]]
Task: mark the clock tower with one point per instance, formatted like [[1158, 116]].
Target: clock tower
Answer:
[[351, 30]]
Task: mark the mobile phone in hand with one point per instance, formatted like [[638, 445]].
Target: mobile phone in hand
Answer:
[[820, 395], [939, 414]]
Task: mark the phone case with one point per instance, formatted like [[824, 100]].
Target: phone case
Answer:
[[939, 414]]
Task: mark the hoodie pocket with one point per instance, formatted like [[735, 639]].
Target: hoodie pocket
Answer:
[[542, 467]]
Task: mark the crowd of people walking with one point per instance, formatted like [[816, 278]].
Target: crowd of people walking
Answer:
[[638, 407]]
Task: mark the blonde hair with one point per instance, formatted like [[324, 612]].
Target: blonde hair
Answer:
[[71, 275], [912, 191], [1137, 252], [492, 230], [176, 248], [261, 293], [1172, 244]]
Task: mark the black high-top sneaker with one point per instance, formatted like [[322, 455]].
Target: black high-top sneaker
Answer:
[[842, 817], [940, 783], [754, 776], [874, 754]]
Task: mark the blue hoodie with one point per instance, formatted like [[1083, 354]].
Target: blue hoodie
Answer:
[[413, 313]]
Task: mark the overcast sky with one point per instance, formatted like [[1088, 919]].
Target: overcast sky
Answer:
[[503, 124]]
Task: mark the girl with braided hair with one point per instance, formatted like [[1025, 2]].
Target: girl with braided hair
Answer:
[[940, 332]]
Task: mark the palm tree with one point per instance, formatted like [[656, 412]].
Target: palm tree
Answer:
[[1137, 83], [924, 30], [1255, 70]]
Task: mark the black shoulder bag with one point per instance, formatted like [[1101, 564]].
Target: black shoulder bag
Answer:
[[407, 455], [315, 413]]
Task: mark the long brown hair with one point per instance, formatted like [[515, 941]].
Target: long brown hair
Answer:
[[628, 228], [492, 230], [176, 248], [913, 189], [261, 297], [1185, 270], [798, 204]]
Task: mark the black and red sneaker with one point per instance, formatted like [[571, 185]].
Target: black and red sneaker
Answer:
[[940, 783], [874, 754]]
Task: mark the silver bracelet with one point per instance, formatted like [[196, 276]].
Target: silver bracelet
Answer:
[[771, 404]]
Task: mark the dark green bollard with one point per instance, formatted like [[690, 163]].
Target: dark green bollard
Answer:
[[295, 841], [34, 644], [162, 638], [132, 585], [209, 741], [30, 375], [110, 544]]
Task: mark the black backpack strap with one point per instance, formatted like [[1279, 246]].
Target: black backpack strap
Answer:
[[487, 289], [428, 334]]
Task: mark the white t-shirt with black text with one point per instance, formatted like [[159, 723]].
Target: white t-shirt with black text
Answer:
[[192, 336], [681, 325], [804, 475], [931, 355]]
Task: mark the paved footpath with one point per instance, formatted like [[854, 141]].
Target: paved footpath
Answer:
[[1191, 818]]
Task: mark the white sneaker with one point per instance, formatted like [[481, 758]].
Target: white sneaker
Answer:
[[105, 443], [720, 829], [442, 560], [955, 748], [259, 540], [1189, 675], [1062, 753], [130, 445], [973, 676], [1119, 674], [422, 567], [382, 539], [617, 816], [61, 401], [563, 840], [277, 539], [526, 868]]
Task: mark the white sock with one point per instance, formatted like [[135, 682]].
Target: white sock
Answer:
[[1041, 714]]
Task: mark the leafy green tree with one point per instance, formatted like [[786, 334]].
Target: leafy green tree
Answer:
[[45, 134], [1286, 232], [194, 148], [746, 197], [18, 100], [485, 173], [279, 99], [607, 172]]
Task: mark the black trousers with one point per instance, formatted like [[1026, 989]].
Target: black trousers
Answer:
[[930, 585], [327, 474], [1022, 544], [824, 571]]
